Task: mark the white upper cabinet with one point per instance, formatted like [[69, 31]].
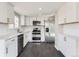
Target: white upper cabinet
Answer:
[[10, 13], [41, 19], [29, 20], [3, 12], [61, 15], [6, 12], [71, 12], [68, 13], [23, 20], [26, 20], [77, 12]]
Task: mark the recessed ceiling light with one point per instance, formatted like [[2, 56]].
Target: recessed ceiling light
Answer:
[[40, 8]]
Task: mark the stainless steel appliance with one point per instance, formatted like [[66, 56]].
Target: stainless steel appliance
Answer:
[[20, 43], [49, 32], [36, 23], [36, 34]]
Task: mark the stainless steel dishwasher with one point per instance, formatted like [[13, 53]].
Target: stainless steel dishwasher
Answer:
[[20, 43]]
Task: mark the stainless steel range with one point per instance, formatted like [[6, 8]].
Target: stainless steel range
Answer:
[[36, 33]]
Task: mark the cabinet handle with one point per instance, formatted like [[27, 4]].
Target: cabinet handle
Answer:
[[13, 40], [6, 50], [8, 20], [65, 20], [64, 38]]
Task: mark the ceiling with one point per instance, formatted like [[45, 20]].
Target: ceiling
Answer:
[[36, 8]]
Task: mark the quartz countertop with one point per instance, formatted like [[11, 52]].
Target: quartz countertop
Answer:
[[73, 36], [9, 36]]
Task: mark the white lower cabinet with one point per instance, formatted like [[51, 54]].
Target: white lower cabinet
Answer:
[[77, 48], [11, 47], [8, 48], [68, 45], [25, 39], [61, 43], [70, 49]]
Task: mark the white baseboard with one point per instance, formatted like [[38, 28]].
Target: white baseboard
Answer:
[[59, 50], [56, 47]]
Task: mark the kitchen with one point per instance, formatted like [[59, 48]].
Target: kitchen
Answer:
[[39, 23], [17, 30]]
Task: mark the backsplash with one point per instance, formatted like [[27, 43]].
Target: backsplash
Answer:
[[72, 29], [5, 30]]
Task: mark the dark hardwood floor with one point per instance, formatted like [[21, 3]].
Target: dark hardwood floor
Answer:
[[40, 50]]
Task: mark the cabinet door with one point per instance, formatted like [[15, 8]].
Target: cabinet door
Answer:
[[77, 47], [3, 12], [25, 39], [11, 47], [6, 12], [61, 15], [31, 20], [27, 21], [67, 46], [10, 13], [22, 21], [70, 46], [42, 21], [29, 36], [62, 43], [71, 9], [67, 13]]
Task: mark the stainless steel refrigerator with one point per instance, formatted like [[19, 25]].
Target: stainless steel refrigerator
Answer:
[[49, 31]]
